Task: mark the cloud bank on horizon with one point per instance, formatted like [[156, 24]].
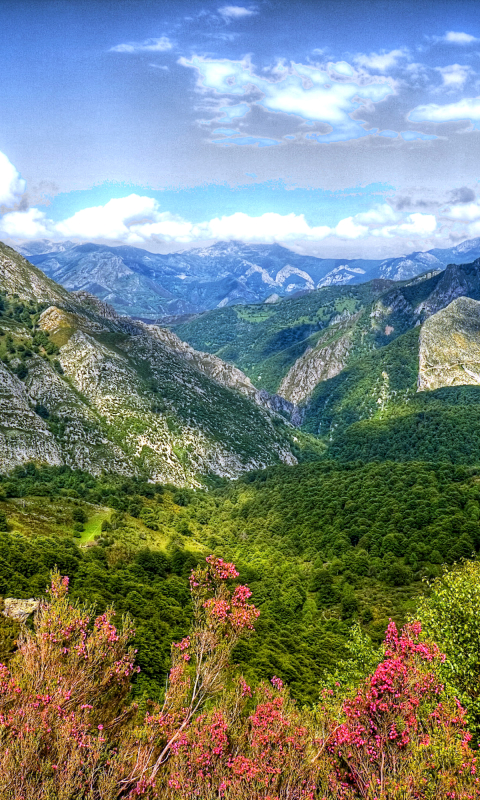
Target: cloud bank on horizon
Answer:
[[201, 95]]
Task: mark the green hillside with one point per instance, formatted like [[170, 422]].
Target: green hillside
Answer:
[[321, 545], [265, 340]]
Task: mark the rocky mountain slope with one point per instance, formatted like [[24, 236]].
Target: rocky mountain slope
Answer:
[[80, 385], [449, 346], [290, 346], [154, 286], [295, 344]]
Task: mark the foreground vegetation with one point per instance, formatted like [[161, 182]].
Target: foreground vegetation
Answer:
[[68, 729]]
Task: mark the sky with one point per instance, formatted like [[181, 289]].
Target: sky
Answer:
[[336, 128]]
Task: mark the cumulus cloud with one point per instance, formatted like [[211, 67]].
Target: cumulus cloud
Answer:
[[111, 221], [266, 227], [140, 221], [454, 76], [314, 95], [468, 108], [12, 186], [458, 37], [30, 224], [418, 224], [381, 62], [230, 13], [466, 212], [160, 45]]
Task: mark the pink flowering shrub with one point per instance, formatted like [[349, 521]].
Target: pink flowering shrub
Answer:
[[64, 690], [200, 662], [257, 744], [402, 737], [68, 733]]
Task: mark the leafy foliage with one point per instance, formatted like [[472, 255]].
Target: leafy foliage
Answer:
[[322, 546], [68, 731]]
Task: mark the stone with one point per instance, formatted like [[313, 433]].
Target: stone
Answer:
[[20, 610]]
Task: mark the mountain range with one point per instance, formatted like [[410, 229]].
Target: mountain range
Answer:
[[343, 371], [156, 287], [82, 386], [361, 362]]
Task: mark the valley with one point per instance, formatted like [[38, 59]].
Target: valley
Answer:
[[326, 444]]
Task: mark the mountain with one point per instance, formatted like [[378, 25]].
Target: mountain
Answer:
[[82, 386], [449, 347], [348, 358], [150, 286], [153, 286], [289, 346]]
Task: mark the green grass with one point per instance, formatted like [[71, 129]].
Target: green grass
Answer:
[[93, 526]]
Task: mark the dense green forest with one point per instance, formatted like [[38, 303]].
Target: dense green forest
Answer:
[[321, 545]]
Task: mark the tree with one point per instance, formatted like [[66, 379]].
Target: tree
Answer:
[[450, 616]]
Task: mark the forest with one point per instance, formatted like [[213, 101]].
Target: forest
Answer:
[[323, 546]]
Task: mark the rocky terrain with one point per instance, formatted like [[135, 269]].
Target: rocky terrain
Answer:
[[80, 385], [292, 346], [449, 346]]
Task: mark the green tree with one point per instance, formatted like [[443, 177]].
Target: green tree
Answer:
[[450, 616]]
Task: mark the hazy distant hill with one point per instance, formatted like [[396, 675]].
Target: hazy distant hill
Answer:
[[153, 286]]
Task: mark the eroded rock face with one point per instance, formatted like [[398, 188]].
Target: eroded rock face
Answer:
[[449, 350], [19, 610], [327, 359], [126, 397], [24, 436]]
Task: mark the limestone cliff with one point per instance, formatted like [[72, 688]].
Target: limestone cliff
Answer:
[[449, 349]]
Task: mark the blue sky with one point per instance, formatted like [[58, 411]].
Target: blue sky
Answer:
[[337, 128]]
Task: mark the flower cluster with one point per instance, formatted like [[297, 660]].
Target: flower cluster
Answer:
[[65, 730]]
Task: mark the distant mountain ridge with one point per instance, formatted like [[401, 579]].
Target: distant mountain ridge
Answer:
[[153, 286]]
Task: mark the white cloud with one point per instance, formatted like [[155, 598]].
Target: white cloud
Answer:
[[311, 93], [378, 215], [235, 12], [29, 224], [466, 212], [12, 185], [349, 229], [458, 37], [454, 76], [467, 108], [267, 227], [111, 221], [160, 45], [381, 62], [418, 224], [140, 221]]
